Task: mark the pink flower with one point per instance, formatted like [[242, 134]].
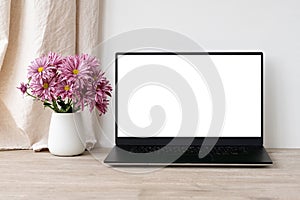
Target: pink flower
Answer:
[[74, 68], [101, 90], [64, 89], [89, 60], [40, 68], [44, 89], [23, 87], [54, 59]]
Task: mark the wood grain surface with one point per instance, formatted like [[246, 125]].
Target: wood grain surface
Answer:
[[29, 175]]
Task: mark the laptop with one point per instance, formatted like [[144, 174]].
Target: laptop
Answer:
[[189, 109]]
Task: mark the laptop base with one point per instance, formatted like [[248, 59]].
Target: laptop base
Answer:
[[121, 156]]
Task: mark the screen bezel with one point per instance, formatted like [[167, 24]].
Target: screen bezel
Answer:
[[256, 141]]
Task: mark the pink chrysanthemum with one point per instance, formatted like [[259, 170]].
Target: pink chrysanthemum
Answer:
[[100, 90], [64, 89], [54, 59], [38, 68], [44, 89], [23, 88], [73, 68], [92, 62]]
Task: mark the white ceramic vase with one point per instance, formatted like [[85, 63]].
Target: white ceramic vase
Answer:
[[66, 134]]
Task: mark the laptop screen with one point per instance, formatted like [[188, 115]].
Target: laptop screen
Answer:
[[154, 90]]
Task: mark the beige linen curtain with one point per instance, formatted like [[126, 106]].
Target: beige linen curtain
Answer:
[[29, 28]]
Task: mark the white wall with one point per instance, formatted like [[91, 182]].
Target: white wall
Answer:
[[270, 25]]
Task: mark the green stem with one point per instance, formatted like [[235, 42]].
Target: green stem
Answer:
[[31, 95], [55, 107]]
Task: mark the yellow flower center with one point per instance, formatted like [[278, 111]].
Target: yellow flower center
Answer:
[[40, 69], [67, 87], [45, 85], [75, 71]]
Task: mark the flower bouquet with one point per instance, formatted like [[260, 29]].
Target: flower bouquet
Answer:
[[67, 85]]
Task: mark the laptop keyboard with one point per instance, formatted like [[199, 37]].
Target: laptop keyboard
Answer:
[[217, 150]]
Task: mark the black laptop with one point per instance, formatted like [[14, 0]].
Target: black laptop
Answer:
[[189, 108]]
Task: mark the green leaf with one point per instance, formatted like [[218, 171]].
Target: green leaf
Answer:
[[62, 104], [47, 104]]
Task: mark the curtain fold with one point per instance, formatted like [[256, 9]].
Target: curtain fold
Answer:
[[28, 29], [4, 28]]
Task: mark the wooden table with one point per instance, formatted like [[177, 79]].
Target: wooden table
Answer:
[[29, 175]]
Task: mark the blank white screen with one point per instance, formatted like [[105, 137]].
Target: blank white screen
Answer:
[[241, 78]]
